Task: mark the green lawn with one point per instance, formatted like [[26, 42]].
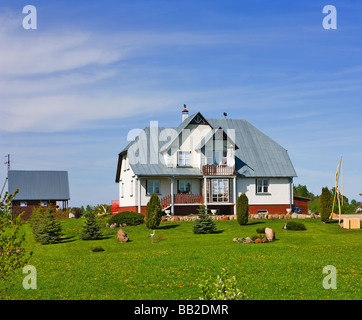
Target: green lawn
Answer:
[[289, 268]]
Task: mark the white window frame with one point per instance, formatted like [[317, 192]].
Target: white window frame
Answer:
[[262, 186], [182, 186], [184, 158], [23, 204], [122, 190], [153, 186], [44, 203], [220, 190]]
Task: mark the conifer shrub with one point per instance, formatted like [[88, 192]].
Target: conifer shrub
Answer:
[[325, 204], [45, 226], [204, 224], [242, 209], [153, 212], [91, 229]]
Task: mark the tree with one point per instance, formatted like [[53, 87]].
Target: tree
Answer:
[[204, 224], [46, 227], [242, 209], [12, 255], [153, 212], [91, 229], [325, 204]]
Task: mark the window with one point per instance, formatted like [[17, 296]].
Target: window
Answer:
[[184, 158], [220, 190], [262, 186], [44, 204], [184, 186], [153, 186], [122, 190], [23, 204], [131, 192]]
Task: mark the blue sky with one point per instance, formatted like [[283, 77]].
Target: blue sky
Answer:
[[71, 90]]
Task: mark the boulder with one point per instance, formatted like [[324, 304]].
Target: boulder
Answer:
[[301, 216], [248, 240], [270, 234], [258, 240], [122, 236], [256, 216], [295, 216], [287, 216]]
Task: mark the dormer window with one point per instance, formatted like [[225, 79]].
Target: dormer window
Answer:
[[184, 158]]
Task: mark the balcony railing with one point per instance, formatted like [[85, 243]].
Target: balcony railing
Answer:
[[218, 170]]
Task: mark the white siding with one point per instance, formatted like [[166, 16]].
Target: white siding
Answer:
[[278, 193]]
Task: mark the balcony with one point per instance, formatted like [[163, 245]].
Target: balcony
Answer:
[[218, 170]]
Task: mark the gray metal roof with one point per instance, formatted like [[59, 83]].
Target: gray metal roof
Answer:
[[162, 170], [39, 185], [257, 154]]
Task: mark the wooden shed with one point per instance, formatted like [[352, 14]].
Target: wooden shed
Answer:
[[302, 202]]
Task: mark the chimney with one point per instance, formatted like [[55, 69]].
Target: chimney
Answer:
[[185, 113]]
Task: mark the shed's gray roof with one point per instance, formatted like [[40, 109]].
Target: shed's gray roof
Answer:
[[257, 155], [39, 185]]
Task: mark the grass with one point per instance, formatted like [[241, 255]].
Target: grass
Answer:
[[173, 266]]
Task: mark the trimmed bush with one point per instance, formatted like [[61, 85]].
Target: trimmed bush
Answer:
[[130, 218], [97, 249], [325, 204], [242, 209], [294, 225]]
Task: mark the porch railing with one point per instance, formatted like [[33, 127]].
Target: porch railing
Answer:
[[218, 170], [181, 199]]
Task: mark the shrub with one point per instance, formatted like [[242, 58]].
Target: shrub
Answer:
[[91, 229], [77, 212], [130, 218], [260, 230], [257, 236], [204, 224], [242, 209], [294, 225], [223, 289], [46, 228], [97, 249], [153, 212], [325, 204]]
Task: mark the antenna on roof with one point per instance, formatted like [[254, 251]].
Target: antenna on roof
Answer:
[[225, 115], [8, 162]]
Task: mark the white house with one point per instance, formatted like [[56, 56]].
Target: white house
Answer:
[[205, 161]]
